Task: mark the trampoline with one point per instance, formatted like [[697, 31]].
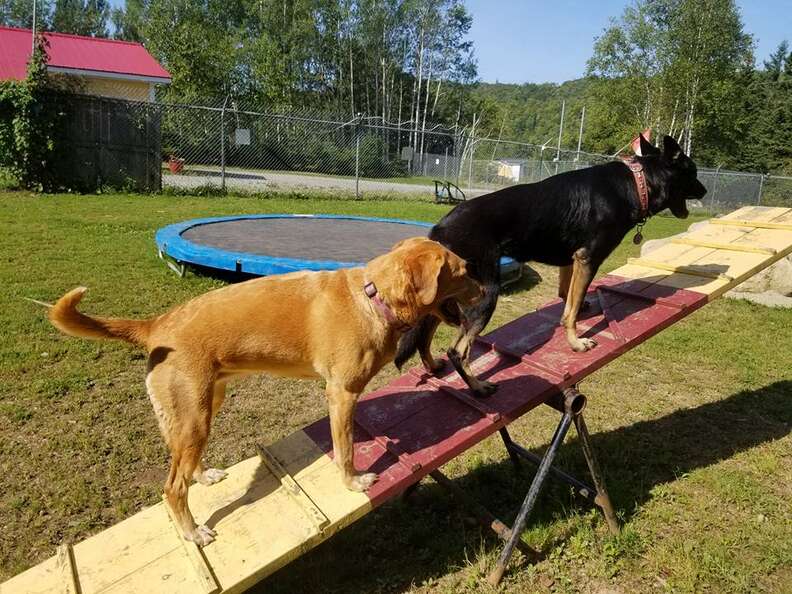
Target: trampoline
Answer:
[[261, 245]]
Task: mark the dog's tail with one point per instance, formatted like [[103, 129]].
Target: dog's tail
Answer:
[[412, 339], [65, 317]]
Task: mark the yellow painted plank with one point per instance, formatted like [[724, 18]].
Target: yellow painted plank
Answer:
[[203, 573], [761, 239], [747, 249], [259, 529], [139, 541], [735, 247], [753, 224], [755, 213], [68, 570], [705, 286], [691, 270], [293, 488], [44, 578], [785, 217]]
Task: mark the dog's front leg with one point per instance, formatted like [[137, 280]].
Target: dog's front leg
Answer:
[[431, 364], [341, 403], [564, 280], [582, 275]]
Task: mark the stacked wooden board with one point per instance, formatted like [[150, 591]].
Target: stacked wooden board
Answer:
[[276, 506]]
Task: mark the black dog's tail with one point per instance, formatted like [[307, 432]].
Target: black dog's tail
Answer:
[[413, 339]]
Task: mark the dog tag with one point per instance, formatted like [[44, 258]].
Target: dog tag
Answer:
[[638, 238]]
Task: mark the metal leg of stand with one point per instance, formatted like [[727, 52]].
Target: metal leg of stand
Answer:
[[602, 499], [507, 441], [574, 402], [483, 515], [410, 490]]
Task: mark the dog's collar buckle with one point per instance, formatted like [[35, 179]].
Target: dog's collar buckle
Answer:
[[640, 184], [370, 289]]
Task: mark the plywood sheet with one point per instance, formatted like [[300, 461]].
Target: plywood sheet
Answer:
[[734, 254]]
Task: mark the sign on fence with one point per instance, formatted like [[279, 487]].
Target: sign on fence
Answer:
[[242, 136]]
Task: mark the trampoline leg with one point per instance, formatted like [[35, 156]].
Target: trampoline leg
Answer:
[[601, 499], [572, 406]]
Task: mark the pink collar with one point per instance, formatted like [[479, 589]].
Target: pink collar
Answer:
[[370, 289], [640, 184]]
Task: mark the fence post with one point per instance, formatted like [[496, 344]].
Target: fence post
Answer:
[[357, 157], [222, 146], [714, 188], [470, 164], [761, 185], [445, 165]]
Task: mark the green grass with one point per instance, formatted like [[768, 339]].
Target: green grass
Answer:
[[692, 427]]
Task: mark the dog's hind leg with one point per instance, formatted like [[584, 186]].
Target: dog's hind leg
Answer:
[[582, 274], [478, 317], [210, 476], [342, 403], [564, 280], [183, 404]]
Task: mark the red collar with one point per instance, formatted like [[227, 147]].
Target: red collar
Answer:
[[640, 185], [370, 289]]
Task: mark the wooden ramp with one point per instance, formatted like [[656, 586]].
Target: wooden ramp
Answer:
[[274, 507]]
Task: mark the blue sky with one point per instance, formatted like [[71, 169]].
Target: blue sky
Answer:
[[521, 41]]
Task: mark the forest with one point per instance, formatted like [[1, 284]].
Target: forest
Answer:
[[682, 67]]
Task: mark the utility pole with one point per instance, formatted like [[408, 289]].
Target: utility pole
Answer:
[[33, 42], [560, 131], [580, 133]]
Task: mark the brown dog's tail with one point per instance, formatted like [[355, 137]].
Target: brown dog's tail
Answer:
[[65, 317]]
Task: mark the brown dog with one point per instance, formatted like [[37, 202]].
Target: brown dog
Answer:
[[304, 324]]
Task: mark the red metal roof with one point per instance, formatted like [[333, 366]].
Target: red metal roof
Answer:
[[74, 52]]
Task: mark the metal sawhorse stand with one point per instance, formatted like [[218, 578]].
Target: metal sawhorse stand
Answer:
[[570, 403]]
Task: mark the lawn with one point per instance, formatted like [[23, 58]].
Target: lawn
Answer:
[[692, 427]]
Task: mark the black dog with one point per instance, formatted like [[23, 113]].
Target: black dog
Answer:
[[573, 220]]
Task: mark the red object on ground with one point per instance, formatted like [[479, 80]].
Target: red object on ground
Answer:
[[175, 165], [79, 55], [417, 423]]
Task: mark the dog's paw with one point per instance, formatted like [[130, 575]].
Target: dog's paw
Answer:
[[201, 535], [581, 345], [210, 476], [361, 482], [434, 366], [485, 389]]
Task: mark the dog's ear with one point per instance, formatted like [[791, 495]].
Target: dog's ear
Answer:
[[424, 270], [671, 149], [641, 145]]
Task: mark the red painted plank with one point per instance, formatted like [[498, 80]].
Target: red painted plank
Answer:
[[529, 358]]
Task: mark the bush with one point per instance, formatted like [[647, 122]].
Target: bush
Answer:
[[31, 125]]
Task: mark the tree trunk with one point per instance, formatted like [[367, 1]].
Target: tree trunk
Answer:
[[426, 102]]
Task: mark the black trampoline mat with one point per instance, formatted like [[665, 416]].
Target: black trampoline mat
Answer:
[[341, 240]]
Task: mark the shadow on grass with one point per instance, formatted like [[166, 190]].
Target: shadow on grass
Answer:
[[429, 535]]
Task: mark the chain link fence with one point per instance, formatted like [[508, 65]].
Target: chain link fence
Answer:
[[245, 148]]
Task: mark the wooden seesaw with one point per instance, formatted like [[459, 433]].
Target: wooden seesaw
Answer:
[[275, 507]]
